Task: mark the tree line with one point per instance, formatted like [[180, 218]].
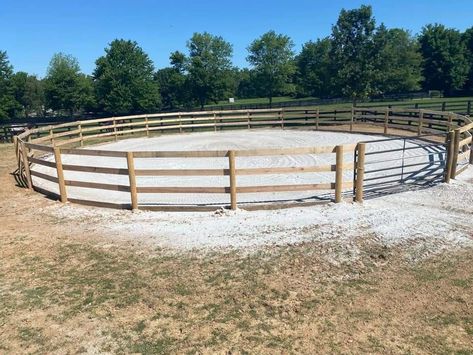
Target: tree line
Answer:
[[358, 60]]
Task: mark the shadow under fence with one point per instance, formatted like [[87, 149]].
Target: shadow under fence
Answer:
[[392, 168]]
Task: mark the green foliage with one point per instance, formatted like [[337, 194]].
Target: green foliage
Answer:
[[171, 84], [272, 58], [314, 75], [397, 61], [209, 67], [467, 37], [352, 53], [8, 104], [66, 88], [29, 93], [247, 84], [124, 80], [445, 58]]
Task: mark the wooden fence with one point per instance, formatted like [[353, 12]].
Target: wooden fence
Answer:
[[35, 147], [461, 106]]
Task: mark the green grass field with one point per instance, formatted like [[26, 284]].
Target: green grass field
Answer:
[[456, 104]]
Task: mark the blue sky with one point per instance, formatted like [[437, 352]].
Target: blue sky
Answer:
[[32, 31]]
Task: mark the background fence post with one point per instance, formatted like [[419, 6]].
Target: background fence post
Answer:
[[281, 115], [456, 148], [51, 135], [360, 171], [147, 126], [352, 117], [317, 117], [450, 148], [421, 118], [15, 145], [79, 127], [386, 119], [338, 173], [115, 129], [132, 178], [26, 166], [468, 107], [60, 175], [231, 165]]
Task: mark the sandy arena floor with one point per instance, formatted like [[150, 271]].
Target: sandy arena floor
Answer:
[[265, 138]]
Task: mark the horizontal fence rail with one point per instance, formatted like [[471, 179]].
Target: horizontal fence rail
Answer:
[[45, 147]]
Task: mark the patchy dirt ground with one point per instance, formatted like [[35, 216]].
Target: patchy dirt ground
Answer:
[[69, 283]]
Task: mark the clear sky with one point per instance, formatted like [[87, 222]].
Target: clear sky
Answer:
[[31, 31]]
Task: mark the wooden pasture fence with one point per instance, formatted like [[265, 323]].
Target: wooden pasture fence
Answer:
[[37, 146]]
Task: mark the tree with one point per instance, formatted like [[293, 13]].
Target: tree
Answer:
[[445, 59], [352, 53], [208, 66], [468, 41], [124, 79], [247, 84], [172, 81], [398, 62], [314, 74], [29, 93], [272, 58], [8, 104], [66, 88]]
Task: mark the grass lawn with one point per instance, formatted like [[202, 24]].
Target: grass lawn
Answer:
[[452, 103]]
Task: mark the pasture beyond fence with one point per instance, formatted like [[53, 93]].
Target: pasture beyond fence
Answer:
[[46, 147]]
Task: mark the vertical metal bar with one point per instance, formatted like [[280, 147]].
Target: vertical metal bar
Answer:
[[338, 173], [402, 160]]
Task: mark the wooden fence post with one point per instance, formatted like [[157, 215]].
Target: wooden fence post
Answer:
[[26, 166], [338, 173], [60, 175], [15, 145], [449, 122], [115, 129], [51, 133], [248, 118], [386, 119], [281, 116], [147, 126], [180, 123], [79, 127], [449, 162], [360, 172], [456, 148], [231, 165], [215, 122], [317, 116], [352, 118], [132, 178], [468, 107], [419, 127]]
